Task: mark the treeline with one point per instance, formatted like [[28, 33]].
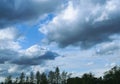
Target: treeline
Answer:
[[55, 77], [110, 77]]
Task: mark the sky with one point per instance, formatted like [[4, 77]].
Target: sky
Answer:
[[78, 36]]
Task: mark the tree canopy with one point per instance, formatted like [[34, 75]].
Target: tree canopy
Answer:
[[56, 77]]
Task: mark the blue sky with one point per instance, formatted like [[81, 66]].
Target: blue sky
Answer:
[[31, 33], [79, 36]]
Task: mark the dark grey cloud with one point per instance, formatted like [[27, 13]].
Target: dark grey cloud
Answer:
[[25, 60], [15, 57], [6, 55], [87, 25], [17, 11], [109, 48]]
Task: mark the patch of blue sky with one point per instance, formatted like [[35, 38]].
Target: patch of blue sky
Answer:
[[46, 20], [31, 33]]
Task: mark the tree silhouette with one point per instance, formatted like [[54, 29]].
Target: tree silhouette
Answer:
[[43, 79], [16, 81], [22, 78], [31, 78], [88, 78], [64, 77], [112, 76], [8, 80], [56, 77], [51, 77], [27, 80], [38, 77]]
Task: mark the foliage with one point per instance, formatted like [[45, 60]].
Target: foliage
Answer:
[[56, 77]]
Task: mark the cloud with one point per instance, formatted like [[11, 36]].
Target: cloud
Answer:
[[80, 61], [21, 58], [9, 39], [14, 59], [39, 60], [11, 51], [7, 55], [13, 12], [108, 48], [8, 44], [85, 24], [9, 33]]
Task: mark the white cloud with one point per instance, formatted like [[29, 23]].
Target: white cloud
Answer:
[[109, 47], [8, 33], [85, 24], [8, 38], [34, 50], [112, 5], [13, 69], [90, 63]]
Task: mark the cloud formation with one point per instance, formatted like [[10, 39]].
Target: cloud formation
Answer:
[[84, 24], [11, 51], [109, 48], [18, 11], [34, 55], [20, 58]]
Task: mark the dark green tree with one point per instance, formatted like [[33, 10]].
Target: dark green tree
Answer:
[[43, 79], [75, 80], [31, 78], [51, 77], [57, 75], [22, 78], [112, 76], [16, 80], [27, 80], [64, 77], [38, 77], [8, 80], [88, 78]]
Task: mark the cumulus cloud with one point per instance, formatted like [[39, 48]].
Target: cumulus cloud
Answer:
[[14, 59], [34, 55], [109, 48], [20, 58], [11, 51], [85, 24], [9, 39], [17, 11]]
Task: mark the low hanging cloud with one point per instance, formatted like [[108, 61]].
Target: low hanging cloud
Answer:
[[18, 11], [21, 58], [85, 24], [24, 60], [35, 55]]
